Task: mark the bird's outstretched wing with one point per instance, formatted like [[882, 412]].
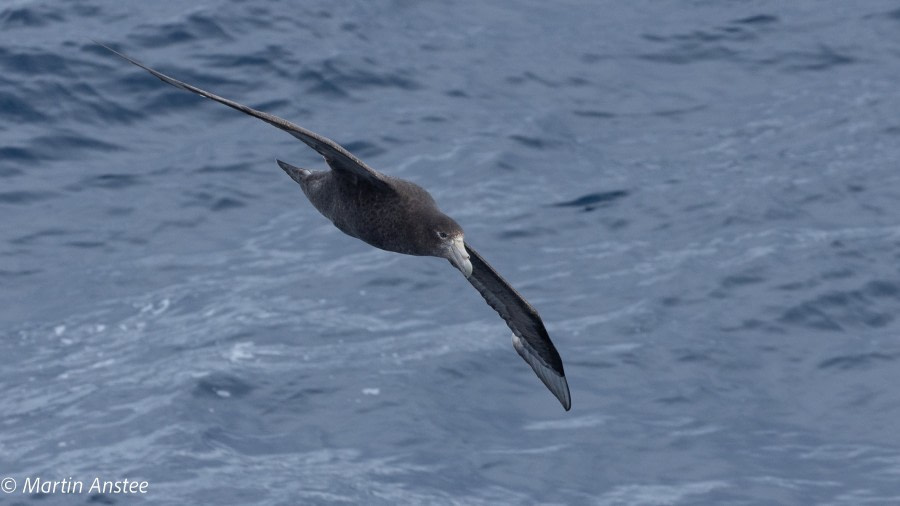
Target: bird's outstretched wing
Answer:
[[530, 337], [337, 157]]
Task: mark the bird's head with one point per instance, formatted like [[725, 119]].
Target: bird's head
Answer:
[[444, 238]]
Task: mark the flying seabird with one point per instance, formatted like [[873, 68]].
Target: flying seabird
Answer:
[[397, 215]]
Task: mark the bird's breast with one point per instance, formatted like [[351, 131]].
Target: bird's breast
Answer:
[[383, 219]]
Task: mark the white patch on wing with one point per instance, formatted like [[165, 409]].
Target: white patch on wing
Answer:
[[556, 383]]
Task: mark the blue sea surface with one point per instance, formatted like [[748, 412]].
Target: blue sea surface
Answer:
[[701, 198]]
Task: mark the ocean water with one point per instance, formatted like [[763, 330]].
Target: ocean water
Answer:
[[701, 198]]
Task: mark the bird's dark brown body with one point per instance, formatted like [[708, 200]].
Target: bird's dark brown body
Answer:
[[386, 218]]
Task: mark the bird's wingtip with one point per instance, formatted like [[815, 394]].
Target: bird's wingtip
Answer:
[[111, 50], [561, 391], [554, 380], [567, 403]]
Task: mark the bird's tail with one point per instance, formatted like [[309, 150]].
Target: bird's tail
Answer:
[[296, 173]]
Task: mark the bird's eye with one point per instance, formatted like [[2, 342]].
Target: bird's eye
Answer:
[[442, 235]]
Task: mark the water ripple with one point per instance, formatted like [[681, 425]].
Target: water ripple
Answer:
[[195, 26], [848, 308]]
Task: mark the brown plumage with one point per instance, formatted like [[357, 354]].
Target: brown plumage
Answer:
[[400, 216]]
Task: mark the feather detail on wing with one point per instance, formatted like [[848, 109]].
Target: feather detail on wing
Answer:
[[337, 157], [530, 338]]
